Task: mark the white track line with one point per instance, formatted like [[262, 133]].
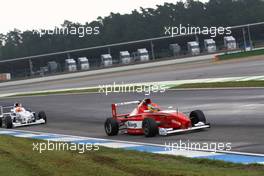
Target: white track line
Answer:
[[134, 143]]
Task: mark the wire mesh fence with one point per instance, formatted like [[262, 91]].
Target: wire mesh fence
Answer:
[[247, 37]]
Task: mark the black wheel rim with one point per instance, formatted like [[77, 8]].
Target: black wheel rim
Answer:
[[146, 129], [108, 128]]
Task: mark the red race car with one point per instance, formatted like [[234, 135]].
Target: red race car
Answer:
[[149, 119]]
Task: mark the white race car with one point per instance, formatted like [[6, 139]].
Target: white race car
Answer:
[[17, 116]]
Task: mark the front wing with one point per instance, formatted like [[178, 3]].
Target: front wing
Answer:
[[167, 131], [38, 122]]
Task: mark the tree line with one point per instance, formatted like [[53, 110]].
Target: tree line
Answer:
[[139, 24]]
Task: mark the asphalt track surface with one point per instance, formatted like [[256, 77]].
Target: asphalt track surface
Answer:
[[236, 115], [252, 66]]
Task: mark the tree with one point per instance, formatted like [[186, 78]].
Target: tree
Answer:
[[139, 24]]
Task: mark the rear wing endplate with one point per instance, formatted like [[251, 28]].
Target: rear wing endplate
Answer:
[[1, 111], [3, 108], [114, 106]]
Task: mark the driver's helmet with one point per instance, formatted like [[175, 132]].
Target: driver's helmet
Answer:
[[17, 104], [152, 108], [18, 107], [147, 101]]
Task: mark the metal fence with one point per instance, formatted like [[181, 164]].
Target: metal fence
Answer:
[[247, 36]]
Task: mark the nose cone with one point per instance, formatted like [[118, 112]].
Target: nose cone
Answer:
[[182, 119], [174, 119]]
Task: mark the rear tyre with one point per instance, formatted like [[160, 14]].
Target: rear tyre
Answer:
[[1, 122], [111, 127], [42, 115], [150, 127], [197, 116], [8, 122]]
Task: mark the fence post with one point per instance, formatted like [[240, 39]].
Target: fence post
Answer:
[[249, 38], [152, 50], [31, 67], [244, 38]]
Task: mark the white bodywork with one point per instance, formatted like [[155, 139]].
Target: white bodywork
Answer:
[[107, 60], [125, 57], [209, 45], [70, 65], [193, 48], [24, 116], [21, 118], [143, 55], [230, 43], [134, 124], [83, 63]]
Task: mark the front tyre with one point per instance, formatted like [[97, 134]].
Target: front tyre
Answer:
[[197, 116], [42, 115], [8, 122], [150, 127], [111, 127]]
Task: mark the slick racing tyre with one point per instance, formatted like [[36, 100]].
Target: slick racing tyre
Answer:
[[111, 127], [197, 116], [8, 122], [1, 121], [42, 115], [150, 127]]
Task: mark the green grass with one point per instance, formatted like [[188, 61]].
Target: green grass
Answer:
[[18, 159], [241, 54], [222, 84]]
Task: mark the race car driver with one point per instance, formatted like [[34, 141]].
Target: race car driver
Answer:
[[18, 108], [153, 107], [147, 105]]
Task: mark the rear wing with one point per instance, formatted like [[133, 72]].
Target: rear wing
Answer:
[[3, 110], [114, 107]]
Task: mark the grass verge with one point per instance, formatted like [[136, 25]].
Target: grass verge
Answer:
[[241, 54], [17, 158], [222, 84]]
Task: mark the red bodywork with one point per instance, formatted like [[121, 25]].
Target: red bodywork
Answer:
[[132, 122]]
